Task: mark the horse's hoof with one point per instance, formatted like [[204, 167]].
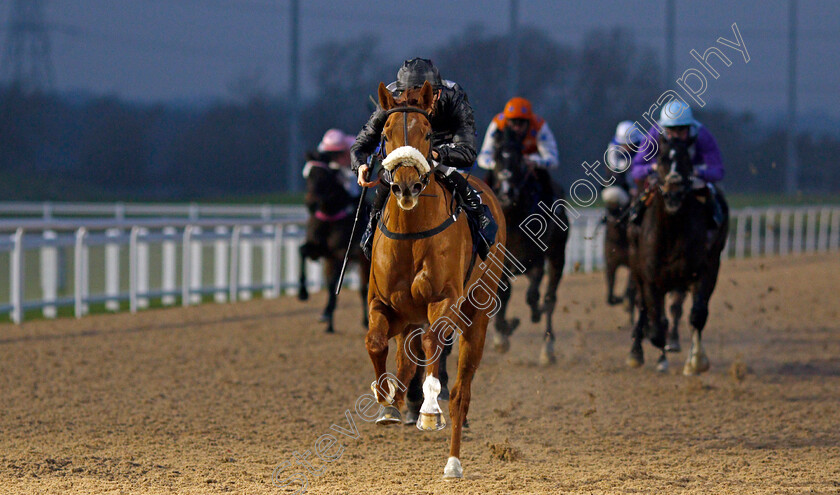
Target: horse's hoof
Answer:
[[390, 416], [431, 422], [673, 345], [547, 358], [411, 416], [635, 359], [329, 329], [303, 295], [547, 354], [662, 364], [324, 317], [696, 364], [535, 315], [453, 469], [444, 393], [365, 323], [466, 423], [613, 301], [501, 343]]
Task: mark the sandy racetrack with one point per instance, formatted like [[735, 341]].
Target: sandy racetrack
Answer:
[[211, 399]]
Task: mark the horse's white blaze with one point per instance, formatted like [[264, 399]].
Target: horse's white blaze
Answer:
[[453, 468], [431, 389]]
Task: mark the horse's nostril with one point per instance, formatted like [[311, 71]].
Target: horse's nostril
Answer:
[[415, 189], [395, 188]]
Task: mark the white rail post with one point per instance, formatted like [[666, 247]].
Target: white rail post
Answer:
[[267, 245], [769, 228], [755, 234], [292, 270], [196, 266], [740, 234], [16, 280], [811, 238], [112, 269], [234, 262], [49, 272], [79, 276], [834, 243], [246, 262], [119, 211], [168, 267], [784, 232], [132, 270], [220, 268], [798, 220], [142, 269], [277, 253], [186, 265], [822, 240]]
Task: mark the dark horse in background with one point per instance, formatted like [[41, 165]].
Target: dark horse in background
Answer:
[[617, 245], [676, 248], [617, 254], [517, 189], [328, 232]]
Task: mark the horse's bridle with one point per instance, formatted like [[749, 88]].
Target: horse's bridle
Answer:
[[405, 110]]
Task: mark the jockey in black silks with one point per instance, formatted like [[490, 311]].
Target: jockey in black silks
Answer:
[[453, 148]]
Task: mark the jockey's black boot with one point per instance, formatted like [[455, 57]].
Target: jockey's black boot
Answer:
[[375, 212], [470, 201]]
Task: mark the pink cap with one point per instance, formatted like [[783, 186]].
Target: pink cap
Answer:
[[336, 140]]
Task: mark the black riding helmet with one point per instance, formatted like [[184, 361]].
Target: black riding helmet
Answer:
[[417, 71]]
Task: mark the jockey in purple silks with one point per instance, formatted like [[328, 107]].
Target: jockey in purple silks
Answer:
[[678, 123]]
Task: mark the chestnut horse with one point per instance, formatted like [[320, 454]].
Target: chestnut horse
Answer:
[[674, 250], [515, 186], [422, 274]]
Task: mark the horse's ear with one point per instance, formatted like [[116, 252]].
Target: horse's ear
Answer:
[[386, 99], [427, 96]]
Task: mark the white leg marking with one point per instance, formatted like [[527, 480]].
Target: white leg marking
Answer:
[[453, 469], [431, 389]]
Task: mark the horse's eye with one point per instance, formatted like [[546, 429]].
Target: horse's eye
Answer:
[[429, 136]]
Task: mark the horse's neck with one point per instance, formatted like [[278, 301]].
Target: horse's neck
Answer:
[[431, 210]]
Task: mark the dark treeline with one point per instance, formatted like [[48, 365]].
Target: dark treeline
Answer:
[[59, 148]]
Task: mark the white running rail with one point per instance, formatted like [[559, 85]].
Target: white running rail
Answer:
[[123, 261]]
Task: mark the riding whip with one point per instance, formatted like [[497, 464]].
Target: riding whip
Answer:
[[353, 232]]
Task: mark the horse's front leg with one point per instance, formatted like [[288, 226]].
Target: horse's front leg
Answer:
[[331, 273], [303, 292], [676, 310], [434, 340], [535, 276], [555, 274], [657, 323], [697, 361], [504, 327], [609, 272], [471, 349], [386, 385]]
